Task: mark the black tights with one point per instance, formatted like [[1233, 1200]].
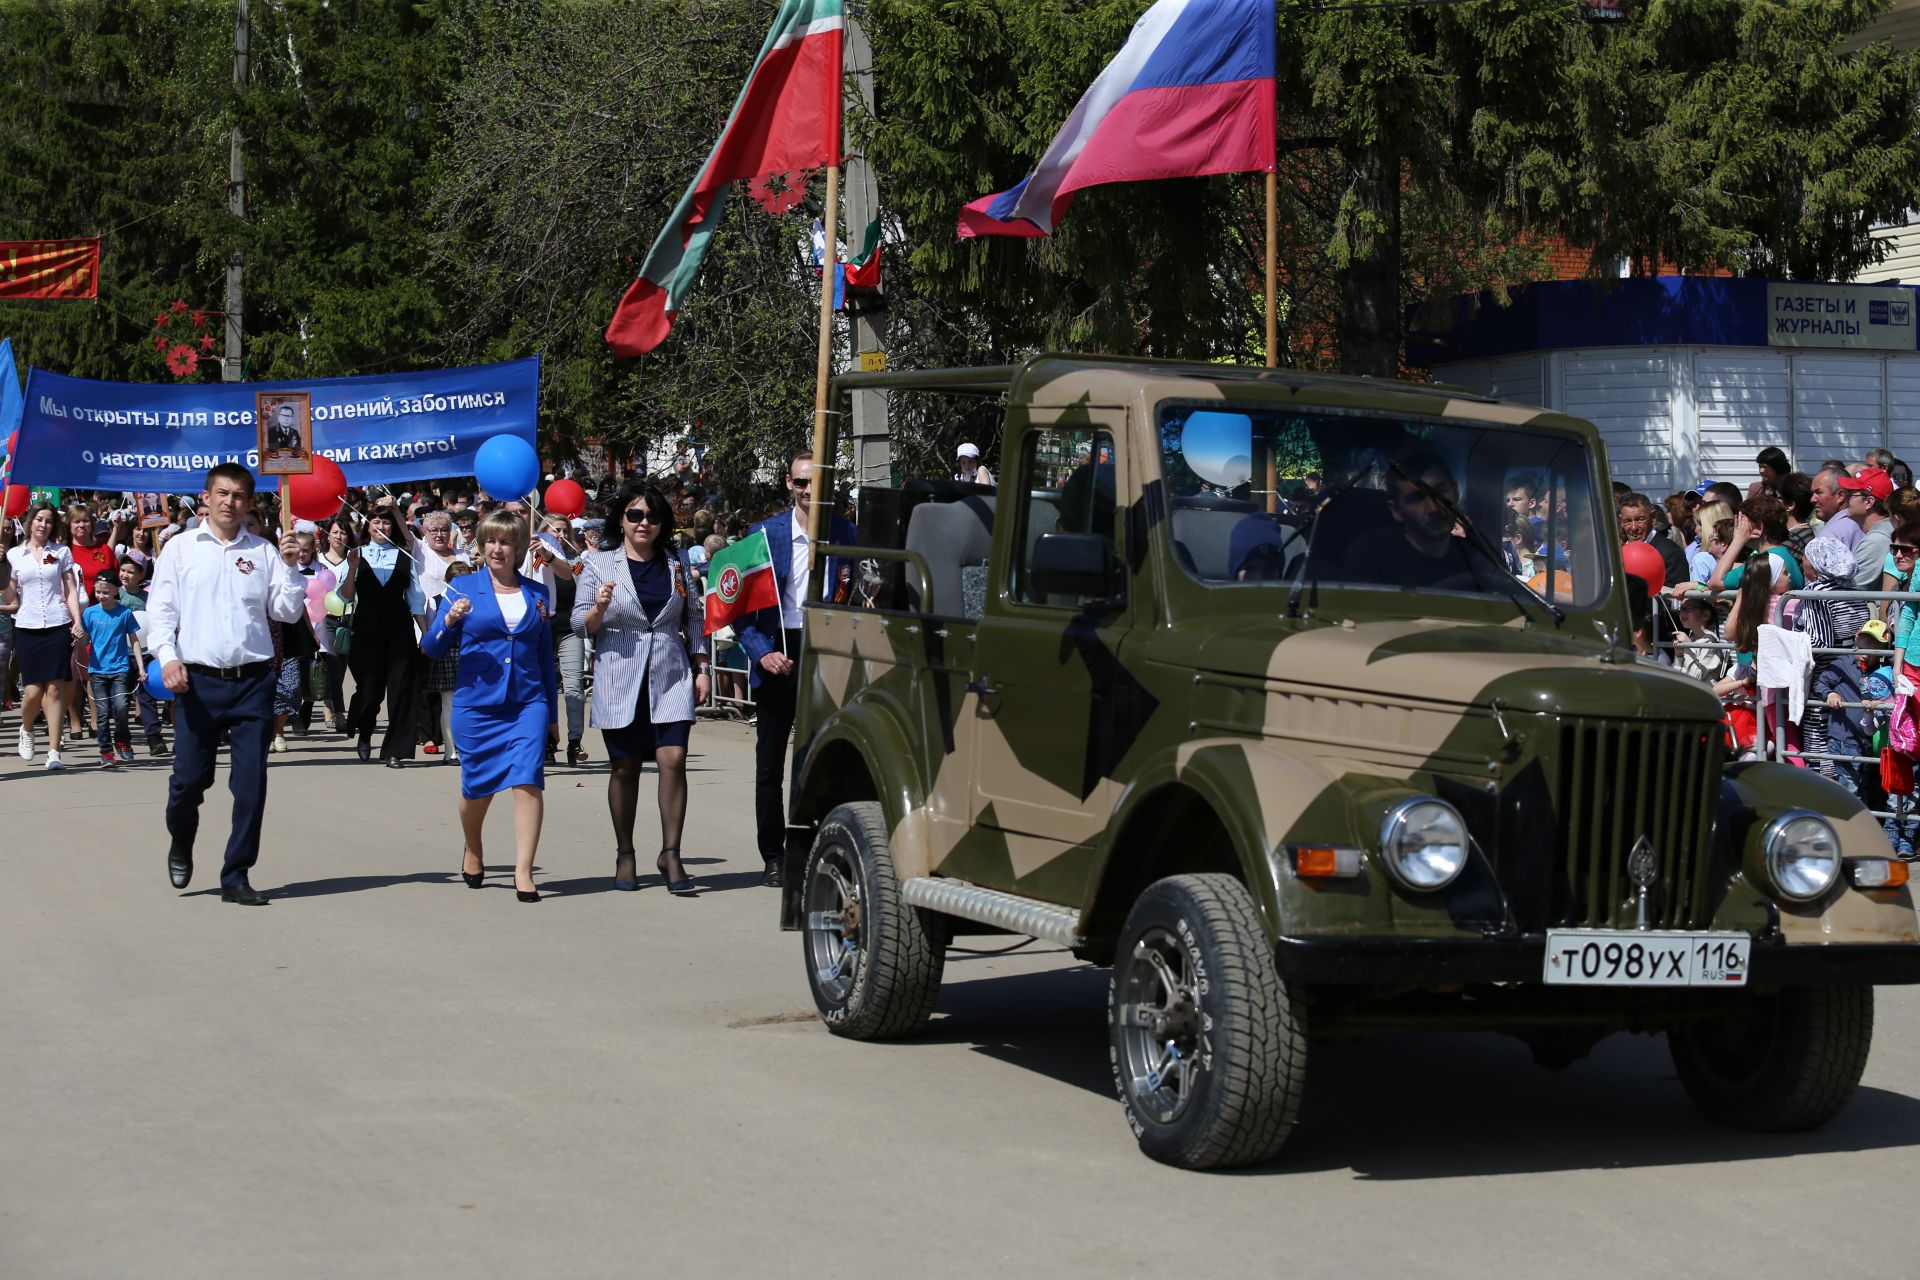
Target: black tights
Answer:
[[623, 800]]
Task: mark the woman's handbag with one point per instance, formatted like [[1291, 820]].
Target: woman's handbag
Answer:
[[317, 680], [343, 633]]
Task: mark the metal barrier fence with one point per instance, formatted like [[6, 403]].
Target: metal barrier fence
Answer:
[[1776, 747]]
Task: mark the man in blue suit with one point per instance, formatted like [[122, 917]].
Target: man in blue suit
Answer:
[[771, 639]]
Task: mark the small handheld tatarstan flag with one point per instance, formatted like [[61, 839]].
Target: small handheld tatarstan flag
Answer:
[[740, 581]]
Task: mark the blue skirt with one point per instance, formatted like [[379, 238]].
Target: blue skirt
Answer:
[[500, 747]]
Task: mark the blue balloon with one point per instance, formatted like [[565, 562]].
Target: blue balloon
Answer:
[[507, 468], [155, 685]]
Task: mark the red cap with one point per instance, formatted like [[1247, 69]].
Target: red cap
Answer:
[[1873, 480]]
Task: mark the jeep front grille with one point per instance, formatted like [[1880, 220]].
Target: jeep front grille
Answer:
[[1621, 780]]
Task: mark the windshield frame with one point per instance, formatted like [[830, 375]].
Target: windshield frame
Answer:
[[1371, 597]]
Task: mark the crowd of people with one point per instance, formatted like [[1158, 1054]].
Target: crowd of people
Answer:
[[1784, 598], [474, 631]]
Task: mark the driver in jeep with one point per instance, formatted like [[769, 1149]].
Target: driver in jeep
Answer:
[[1424, 546]]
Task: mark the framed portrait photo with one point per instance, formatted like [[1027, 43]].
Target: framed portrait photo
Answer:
[[153, 510], [285, 423]]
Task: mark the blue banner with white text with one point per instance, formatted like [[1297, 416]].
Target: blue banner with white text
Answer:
[[161, 438]]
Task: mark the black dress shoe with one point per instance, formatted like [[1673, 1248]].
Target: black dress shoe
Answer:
[[527, 895], [771, 877], [179, 866], [244, 894], [395, 762], [364, 751]]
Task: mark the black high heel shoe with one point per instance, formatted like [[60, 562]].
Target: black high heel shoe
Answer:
[[474, 880], [683, 887], [527, 895], [624, 859]]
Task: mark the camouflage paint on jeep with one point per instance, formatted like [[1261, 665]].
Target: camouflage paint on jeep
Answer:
[[1301, 729]]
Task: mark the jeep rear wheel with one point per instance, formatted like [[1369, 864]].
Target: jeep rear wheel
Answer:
[[872, 961], [1209, 1051], [1791, 1061]]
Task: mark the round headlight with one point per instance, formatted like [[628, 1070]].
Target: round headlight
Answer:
[[1424, 843], [1802, 855]]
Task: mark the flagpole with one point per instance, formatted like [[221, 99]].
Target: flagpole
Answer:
[[1273, 321], [822, 459], [1273, 267]]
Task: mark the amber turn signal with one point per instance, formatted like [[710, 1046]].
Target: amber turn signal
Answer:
[[1325, 862], [1876, 873]]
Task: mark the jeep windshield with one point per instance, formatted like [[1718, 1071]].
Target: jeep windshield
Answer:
[[1334, 498]]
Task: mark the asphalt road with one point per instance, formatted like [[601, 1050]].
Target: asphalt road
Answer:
[[386, 1074]]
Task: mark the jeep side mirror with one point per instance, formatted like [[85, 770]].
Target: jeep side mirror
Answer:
[[1071, 564]]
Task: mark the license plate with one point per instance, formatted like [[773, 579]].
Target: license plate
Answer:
[[1614, 958]]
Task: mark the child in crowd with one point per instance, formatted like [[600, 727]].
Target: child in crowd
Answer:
[[133, 588], [133, 584], [1697, 648], [110, 628], [1873, 662], [1828, 624]]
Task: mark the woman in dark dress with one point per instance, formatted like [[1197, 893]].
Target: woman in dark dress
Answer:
[[384, 589], [647, 619]]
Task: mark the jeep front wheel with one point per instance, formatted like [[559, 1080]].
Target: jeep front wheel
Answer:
[[1209, 1050], [872, 960], [1789, 1061]]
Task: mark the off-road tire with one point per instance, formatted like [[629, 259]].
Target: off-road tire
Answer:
[[898, 957], [1252, 1035], [1789, 1063]]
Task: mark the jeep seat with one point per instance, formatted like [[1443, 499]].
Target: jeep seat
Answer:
[[1202, 535], [951, 537]]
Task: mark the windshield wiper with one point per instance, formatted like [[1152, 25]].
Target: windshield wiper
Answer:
[[1521, 591]]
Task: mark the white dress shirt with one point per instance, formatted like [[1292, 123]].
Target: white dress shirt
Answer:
[[211, 600], [794, 590], [40, 574]]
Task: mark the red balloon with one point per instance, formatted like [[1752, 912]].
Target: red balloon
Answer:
[[320, 495], [16, 501], [566, 498], [1643, 562]]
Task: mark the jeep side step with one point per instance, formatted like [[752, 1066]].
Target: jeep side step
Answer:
[[1047, 921]]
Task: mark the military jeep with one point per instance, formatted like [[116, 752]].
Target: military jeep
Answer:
[[1372, 757]]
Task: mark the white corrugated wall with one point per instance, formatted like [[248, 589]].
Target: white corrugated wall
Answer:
[[1672, 416]]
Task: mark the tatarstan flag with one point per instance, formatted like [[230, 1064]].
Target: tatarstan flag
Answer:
[[740, 581], [786, 118]]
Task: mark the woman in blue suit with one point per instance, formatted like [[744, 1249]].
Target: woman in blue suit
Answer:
[[500, 700]]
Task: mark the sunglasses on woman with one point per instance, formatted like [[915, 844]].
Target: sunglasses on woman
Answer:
[[640, 515], [1903, 548]]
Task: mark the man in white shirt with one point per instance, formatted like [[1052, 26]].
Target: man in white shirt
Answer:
[[215, 588]]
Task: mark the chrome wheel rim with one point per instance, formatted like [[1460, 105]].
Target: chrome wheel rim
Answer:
[[1161, 1025], [834, 910]]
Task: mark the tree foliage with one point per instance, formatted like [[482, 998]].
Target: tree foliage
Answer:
[[572, 135], [113, 113], [456, 180]]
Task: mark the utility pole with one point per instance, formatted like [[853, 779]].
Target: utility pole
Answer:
[[230, 360], [872, 443]]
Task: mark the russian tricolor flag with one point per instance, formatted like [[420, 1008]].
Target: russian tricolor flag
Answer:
[[1190, 93]]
